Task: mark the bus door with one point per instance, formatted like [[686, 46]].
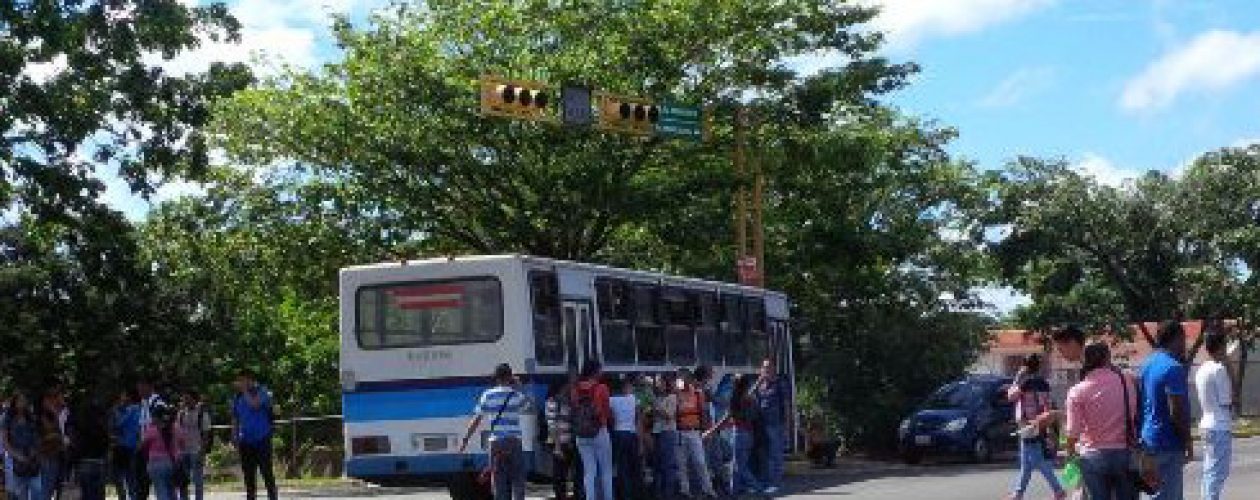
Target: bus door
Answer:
[[781, 352], [577, 292], [580, 342]]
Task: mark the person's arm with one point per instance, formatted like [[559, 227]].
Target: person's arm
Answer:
[[1178, 404], [473, 423], [721, 423], [1072, 424], [1225, 389]]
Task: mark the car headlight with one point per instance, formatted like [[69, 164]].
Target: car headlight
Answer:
[[956, 425], [904, 428]]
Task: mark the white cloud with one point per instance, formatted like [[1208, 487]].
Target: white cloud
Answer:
[[274, 33], [1212, 61], [1104, 171], [1017, 87], [1002, 300], [908, 22], [41, 73]]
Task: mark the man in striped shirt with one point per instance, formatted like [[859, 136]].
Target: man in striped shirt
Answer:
[[503, 406]]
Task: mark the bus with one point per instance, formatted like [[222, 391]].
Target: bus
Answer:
[[419, 340]]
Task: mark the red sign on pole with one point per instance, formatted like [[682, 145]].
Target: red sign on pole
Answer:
[[749, 271]]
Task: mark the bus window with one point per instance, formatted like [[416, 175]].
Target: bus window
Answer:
[[649, 330], [548, 341], [708, 349], [680, 335], [758, 340], [616, 334], [430, 313], [734, 338]]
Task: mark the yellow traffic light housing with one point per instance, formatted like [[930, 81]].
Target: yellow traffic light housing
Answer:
[[520, 99], [628, 115]]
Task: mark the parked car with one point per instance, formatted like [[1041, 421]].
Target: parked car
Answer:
[[970, 418]]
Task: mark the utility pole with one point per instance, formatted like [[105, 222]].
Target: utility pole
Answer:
[[749, 230]]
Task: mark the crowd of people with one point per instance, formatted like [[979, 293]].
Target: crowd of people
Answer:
[[140, 442], [1130, 432], [684, 434]]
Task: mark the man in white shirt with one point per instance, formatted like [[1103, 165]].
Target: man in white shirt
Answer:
[[1215, 391]]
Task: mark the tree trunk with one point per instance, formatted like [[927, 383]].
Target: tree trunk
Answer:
[[1243, 356]]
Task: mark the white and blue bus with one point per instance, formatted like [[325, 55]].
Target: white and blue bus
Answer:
[[419, 340]]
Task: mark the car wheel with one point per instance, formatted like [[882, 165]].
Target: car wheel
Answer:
[[982, 450]]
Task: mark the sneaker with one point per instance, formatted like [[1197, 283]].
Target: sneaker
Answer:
[[773, 490]]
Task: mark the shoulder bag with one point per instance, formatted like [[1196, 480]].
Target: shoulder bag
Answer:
[[1145, 472]]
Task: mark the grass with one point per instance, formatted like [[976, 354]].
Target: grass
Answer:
[[1247, 427]]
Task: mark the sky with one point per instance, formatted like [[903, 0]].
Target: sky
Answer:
[[1117, 87]]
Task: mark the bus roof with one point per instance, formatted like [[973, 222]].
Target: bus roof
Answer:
[[558, 262]]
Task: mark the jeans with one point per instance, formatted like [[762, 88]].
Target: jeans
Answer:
[[1172, 466], [1106, 475], [566, 470], [775, 437], [160, 474], [693, 462], [597, 465], [720, 457], [196, 466], [744, 480], [26, 488], [256, 458], [629, 464], [91, 479], [665, 473], [1217, 453], [1032, 457], [509, 469], [123, 472], [140, 470], [50, 472]]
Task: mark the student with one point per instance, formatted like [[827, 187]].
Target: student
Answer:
[[1033, 415], [194, 421], [252, 429], [503, 405], [565, 463], [124, 425], [772, 406], [1101, 410], [90, 429], [21, 440], [148, 399], [163, 443], [693, 419], [1166, 410], [625, 439], [1215, 390], [591, 416], [665, 438], [53, 441], [741, 418]]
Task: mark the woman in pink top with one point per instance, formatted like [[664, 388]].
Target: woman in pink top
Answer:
[[163, 442], [1096, 427]]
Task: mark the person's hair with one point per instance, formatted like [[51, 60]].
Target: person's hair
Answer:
[[1215, 342], [1070, 333], [743, 386], [503, 373], [246, 374], [17, 409], [1169, 331], [1033, 363], [703, 373], [1096, 355], [591, 369]]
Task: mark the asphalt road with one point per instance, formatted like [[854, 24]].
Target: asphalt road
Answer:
[[880, 481]]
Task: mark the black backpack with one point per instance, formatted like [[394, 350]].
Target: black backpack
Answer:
[[585, 416]]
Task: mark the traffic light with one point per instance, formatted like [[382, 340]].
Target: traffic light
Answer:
[[630, 115], [520, 99]]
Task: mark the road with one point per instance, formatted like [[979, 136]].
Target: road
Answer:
[[879, 481]]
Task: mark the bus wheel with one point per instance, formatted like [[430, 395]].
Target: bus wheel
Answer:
[[464, 486]]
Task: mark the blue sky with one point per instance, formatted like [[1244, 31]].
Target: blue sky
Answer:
[[1117, 87]]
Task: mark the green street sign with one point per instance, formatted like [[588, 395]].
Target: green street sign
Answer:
[[681, 121]]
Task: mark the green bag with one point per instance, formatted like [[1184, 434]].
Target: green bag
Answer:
[[1071, 476]]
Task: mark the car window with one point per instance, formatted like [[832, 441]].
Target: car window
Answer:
[[956, 395]]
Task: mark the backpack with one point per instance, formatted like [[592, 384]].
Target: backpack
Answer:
[[690, 410], [585, 417]]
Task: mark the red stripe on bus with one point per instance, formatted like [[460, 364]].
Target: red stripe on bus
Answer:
[[420, 291], [430, 304]]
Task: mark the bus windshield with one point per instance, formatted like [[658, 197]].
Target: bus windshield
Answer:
[[409, 315]]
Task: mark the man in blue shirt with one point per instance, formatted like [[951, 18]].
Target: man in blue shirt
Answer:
[[252, 415], [1166, 410], [502, 406], [772, 401]]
